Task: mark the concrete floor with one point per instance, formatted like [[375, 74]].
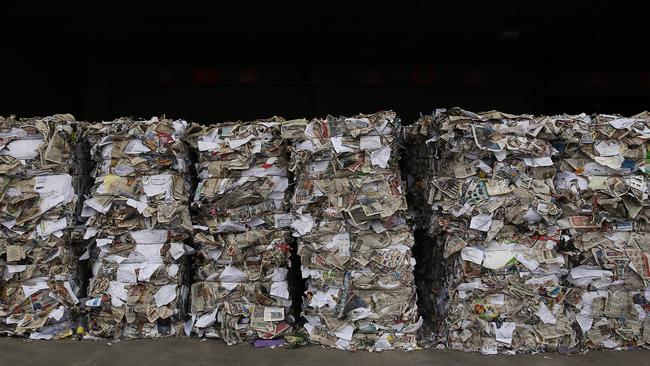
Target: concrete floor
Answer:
[[184, 351]]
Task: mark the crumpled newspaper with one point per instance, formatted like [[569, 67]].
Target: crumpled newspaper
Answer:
[[241, 290], [138, 226], [353, 238], [517, 215], [40, 286]]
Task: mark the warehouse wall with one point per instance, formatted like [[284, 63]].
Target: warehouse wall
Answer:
[[244, 61]]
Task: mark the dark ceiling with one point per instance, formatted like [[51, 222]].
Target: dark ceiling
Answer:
[[243, 60]]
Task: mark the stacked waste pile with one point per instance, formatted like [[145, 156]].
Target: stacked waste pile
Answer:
[[353, 239], [39, 286], [138, 224], [240, 290], [603, 187], [495, 220]]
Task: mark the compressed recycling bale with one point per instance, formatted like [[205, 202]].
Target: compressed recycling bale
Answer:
[[538, 220], [353, 238], [240, 214], [138, 228], [40, 285], [603, 196]]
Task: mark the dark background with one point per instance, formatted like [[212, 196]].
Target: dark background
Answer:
[[245, 60]]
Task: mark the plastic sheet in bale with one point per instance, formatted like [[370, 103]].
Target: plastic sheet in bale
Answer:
[[240, 207], [352, 234], [40, 284], [138, 225]]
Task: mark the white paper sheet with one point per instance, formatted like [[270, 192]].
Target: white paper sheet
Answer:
[[206, 320], [585, 322], [95, 205], [538, 162], [279, 274], [47, 227], [623, 123], [93, 303], [126, 273], [31, 289], [147, 270], [232, 274], [544, 314], [380, 157], [481, 222], [370, 143], [233, 144], [54, 190], [280, 289], [345, 332], [57, 313], [140, 206], [273, 314], [342, 242], [136, 147], [146, 253], [149, 236], [118, 293], [321, 299], [23, 149], [496, 259], [472, 254], [337, 143], [607, 147], [497, 299], [157, 184], [177, 250], [90, 233], [531, 264], [165, 295], [303, 224], [504, 334]]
